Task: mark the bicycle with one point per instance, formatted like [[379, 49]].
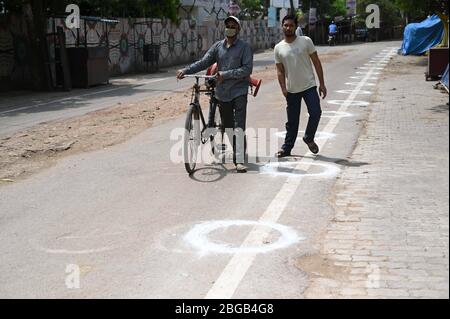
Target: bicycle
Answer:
[[197, 131]]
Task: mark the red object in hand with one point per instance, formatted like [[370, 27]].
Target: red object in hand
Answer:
[[212, 70], [255, 84]]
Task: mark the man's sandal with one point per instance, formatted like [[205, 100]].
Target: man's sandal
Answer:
[[282, 154], [313, 147]]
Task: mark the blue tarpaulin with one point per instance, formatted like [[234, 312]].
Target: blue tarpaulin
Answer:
[[420, 37], [444, 79]]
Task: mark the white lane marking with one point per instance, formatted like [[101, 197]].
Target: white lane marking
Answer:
[[279, 169], [377, 64], [332, 114], [357, 84], [229, 280], [198, 237], [351, 103], [351, 91], [319, 135], [369, 68], [358, 77], [77, 96], [365, 72]]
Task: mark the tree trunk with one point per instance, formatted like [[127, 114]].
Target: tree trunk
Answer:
[[292, 11], [36, 30], [444, 19]]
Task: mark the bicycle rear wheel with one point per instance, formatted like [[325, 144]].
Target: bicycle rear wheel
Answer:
[[192, 139]]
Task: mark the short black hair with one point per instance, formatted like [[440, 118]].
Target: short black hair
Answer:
[[290, 17]]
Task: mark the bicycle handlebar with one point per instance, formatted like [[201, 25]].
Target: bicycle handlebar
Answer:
[[201, 76]]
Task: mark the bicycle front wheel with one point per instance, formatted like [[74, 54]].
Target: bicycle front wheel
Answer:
[[192, 139], [217, 131]]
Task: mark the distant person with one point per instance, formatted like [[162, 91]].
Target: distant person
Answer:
[[293, 57], [332, 33], [333, 29], [299, 31]]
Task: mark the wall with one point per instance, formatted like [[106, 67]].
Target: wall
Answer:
[[14, 53], [179, 44]]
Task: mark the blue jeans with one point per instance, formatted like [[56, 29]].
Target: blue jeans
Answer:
[[294, 102]]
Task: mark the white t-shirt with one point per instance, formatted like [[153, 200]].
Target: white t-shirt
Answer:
[[296, 60]]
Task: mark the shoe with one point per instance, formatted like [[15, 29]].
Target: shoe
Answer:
[[282, 154], [313, 147], [240, 168]]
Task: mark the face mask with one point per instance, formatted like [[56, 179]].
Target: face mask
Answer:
[[230, 33]]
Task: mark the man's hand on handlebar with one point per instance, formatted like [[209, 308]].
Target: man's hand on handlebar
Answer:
[[219, 77], [180, 74]]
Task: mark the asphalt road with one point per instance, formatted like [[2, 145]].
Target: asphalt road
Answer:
[[132, 223]]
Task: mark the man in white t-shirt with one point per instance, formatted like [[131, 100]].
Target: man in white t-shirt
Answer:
[[294, 57]]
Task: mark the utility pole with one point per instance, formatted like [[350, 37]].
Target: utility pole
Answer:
[[292, 8]]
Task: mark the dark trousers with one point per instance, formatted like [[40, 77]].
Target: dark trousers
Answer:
[[234, 119], [294, 102]]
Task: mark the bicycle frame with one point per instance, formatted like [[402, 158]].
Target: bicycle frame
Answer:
[[195, 135], [195, 101]]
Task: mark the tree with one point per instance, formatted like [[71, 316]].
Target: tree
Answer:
[[420, 9], [252, 9], [338, 8]]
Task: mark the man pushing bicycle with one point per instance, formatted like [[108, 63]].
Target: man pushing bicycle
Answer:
[[234, 59]]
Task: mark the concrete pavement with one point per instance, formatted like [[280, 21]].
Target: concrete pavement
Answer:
[[388, 237]]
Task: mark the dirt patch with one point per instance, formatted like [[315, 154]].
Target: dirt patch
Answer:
[[405, 64], [320, 267], [334, 55]]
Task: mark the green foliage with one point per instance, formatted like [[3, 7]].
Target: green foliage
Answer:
[[421, 8], [389, 12], [338, 8], [326, 8], [252, 9], [104, 8]]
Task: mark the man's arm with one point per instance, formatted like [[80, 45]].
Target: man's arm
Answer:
[[318, 66], [208, 59], [282, 78], [245, 70]]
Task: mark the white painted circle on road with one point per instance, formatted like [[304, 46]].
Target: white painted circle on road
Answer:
[[287, 169], [350, 103], [319, 135], [333, 114], [198, 238]]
